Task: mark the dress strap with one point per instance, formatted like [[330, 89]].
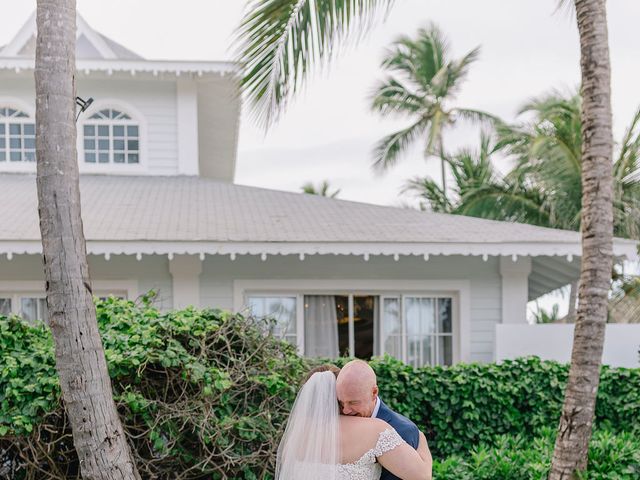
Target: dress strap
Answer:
[[387, 441]]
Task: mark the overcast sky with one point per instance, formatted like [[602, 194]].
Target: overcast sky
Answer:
[[527, 49]]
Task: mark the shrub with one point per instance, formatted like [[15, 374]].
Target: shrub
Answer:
[[611, 457]]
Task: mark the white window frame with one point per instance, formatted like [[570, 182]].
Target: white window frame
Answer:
[[137, 118], [299, 311], [457, 290], [17, 104]]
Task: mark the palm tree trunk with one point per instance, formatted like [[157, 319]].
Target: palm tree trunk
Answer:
[[98, 435], [573, 293], [574, 431], [443, 168]]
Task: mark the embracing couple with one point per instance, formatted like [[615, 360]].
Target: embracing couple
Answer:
[[339, 429]]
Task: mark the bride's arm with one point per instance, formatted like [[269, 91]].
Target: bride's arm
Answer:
[[425, 453], [406, 463]]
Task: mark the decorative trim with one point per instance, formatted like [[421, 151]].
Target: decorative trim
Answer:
[[38, 287], [623, 249], [132, 67]]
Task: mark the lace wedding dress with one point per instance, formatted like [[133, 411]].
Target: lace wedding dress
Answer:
[[366, 468]]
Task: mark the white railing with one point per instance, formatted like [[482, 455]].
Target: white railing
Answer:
[[553, 342]]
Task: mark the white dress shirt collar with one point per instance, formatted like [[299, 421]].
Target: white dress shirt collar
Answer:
[[376, 408]]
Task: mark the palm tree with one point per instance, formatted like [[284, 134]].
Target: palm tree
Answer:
[[574, 430], [98, 435], [421, 84], [322, 189]]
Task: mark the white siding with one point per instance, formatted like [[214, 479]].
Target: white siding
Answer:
[[154, 99], [152, 272]]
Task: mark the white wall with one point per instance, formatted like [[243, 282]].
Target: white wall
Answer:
[[154, 99], [554, 342], [218, 273], [151, 272]]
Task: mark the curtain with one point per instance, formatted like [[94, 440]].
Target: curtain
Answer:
[[377, 327], [320, 326]]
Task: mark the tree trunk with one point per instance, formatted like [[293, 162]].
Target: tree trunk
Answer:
[[573, 293], [574, 431], [98, 435]]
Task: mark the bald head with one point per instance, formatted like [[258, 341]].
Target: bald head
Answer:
[[357, 389]]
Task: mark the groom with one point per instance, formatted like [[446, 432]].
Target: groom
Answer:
[[357, 392]]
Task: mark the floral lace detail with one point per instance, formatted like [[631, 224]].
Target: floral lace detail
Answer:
[[366, 467]]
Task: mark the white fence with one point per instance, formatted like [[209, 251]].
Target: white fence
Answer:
[[553, 342]]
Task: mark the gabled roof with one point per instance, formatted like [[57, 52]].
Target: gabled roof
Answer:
[[97, 53], [90, 44]]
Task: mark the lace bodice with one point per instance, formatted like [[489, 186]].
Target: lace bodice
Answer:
[[366, 468]]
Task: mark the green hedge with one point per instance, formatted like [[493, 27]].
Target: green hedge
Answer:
[[205, 392], [518, 457]]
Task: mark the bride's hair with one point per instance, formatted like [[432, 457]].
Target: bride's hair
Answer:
[[327, 367]]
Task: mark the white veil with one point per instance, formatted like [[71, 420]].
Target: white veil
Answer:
[[309, 448]]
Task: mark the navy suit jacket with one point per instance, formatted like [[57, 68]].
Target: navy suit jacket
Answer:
[[405, 427]]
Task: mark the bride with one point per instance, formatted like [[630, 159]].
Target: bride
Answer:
[[320, 444]]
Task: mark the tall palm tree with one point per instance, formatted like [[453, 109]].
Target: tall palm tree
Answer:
[[98, 435], [322, 189], [421, 83], [576, 420]]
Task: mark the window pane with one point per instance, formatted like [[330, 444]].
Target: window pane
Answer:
[[15, 142], [132, 158], [132, 130], [132, 145], [15, 156], [29, 129], [3, 143], [118, 130], [30, 156], [30, 143], [103, 158], [103, 130], [444, 315], [420, 315], [32, 309], [14, 128], [103, 145], [5, 306], [118, 157], [2, 129], [392, 328], [445, 350], [118, 144], [89, 130], [3, 157], [282, 310], [90, 157], [89, 144]]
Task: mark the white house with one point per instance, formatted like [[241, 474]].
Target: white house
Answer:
[[157, 153]]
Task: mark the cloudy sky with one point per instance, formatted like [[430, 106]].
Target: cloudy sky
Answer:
[[527, 49]]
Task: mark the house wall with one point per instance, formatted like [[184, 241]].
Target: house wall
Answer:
[[151, 272], [218, 273]]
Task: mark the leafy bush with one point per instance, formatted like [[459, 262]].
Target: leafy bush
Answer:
[[611, 457], [204, 394]]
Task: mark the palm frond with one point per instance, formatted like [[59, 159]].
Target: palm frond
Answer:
[[388, 150], [391, 96], [431, 194], [279, 41]]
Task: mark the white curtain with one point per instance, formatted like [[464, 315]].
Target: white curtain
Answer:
[[320, 326], [377, 326]]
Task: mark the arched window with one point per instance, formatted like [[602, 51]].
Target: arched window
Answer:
[[111, 136], [17, 136]]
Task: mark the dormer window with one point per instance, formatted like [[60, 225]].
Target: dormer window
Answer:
[[17, 136], [111, 136]]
